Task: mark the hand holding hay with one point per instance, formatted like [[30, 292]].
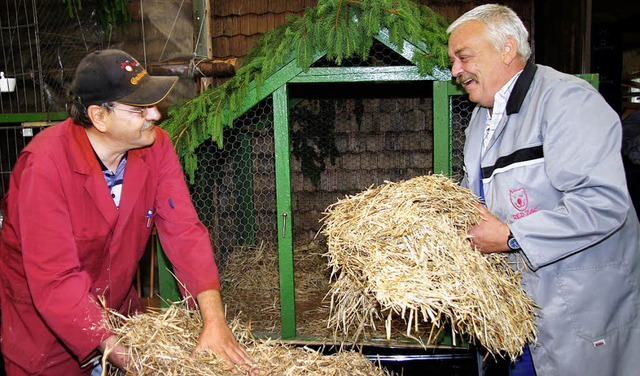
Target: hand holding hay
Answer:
[[403, 250], [489, 234], [217, 337], [119, 355]]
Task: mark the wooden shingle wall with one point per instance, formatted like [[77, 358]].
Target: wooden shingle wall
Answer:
[[237, 25]]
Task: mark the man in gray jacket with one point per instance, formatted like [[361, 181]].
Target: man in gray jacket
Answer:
[[543, 150]]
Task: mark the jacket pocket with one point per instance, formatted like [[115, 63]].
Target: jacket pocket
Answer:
[[599, 299], [92, 253]]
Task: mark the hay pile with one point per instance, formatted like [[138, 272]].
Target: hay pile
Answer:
[[161, 343], [251, 287], [402, 250]]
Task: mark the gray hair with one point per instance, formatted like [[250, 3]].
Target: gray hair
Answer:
[[78, 111], [501, 22]]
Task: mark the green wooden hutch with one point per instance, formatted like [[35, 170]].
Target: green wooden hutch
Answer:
[[320, 68]]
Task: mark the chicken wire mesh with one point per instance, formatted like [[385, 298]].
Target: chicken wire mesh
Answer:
[[344, 138], [460, 112], [234, 188]]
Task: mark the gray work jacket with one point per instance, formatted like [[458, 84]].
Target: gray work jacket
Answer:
[[553, 172]]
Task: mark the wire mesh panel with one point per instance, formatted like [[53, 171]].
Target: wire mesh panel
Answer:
[[461, 110], [41, 43], [12, 140], [234, 190]]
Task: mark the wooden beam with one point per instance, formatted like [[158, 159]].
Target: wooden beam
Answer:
[[202, 68]]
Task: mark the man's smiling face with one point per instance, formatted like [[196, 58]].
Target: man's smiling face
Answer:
[[476, 63]]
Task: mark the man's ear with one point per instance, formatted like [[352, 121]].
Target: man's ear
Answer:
[[509, 50], [98, 116]]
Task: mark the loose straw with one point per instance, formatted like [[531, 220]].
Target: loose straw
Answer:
[[161, 342], [402, 250], [250, 282]]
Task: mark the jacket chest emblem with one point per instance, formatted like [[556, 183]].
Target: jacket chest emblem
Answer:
[[520, 201]]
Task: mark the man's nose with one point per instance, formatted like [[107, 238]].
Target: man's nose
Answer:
[[153, 113], [456, 68]]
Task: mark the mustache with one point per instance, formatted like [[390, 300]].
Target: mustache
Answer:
[[148, 124], [461, 79]]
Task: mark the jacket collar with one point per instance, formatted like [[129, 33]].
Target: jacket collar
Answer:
[[82, 156], [521, 87]]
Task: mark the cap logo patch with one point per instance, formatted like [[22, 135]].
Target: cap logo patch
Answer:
[[128, 65]]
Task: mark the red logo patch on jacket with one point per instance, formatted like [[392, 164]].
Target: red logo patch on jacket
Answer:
[[520, 200]]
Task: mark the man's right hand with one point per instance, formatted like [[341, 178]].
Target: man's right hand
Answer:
[[117, 354]]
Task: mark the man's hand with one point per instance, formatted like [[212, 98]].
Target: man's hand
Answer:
[[117, 354], [217, 337], [490, 234]]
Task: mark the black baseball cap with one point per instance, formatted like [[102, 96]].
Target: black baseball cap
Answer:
[[115, 76]]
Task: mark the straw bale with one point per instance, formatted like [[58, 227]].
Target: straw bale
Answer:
[[161, 343], [402, 250]]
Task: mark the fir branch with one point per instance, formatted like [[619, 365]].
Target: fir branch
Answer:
[[356, 2]]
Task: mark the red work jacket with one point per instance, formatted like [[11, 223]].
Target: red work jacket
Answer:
[[64, 244]]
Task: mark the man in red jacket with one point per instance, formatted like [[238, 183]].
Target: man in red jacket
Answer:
[[83, 198]]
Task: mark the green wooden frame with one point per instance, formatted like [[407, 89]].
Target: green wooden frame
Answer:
[[277, 86], [33, 117], [281, 106]]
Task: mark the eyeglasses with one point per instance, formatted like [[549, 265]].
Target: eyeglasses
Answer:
[[142, 111]]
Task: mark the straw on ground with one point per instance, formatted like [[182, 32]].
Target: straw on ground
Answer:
[[161, 344]]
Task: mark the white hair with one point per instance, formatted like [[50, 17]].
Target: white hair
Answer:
[[502, 22]]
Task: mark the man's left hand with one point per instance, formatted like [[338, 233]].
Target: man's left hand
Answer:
[[490, 234]]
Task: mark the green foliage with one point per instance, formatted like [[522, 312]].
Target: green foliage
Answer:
[[110, 13], [341, 29]]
